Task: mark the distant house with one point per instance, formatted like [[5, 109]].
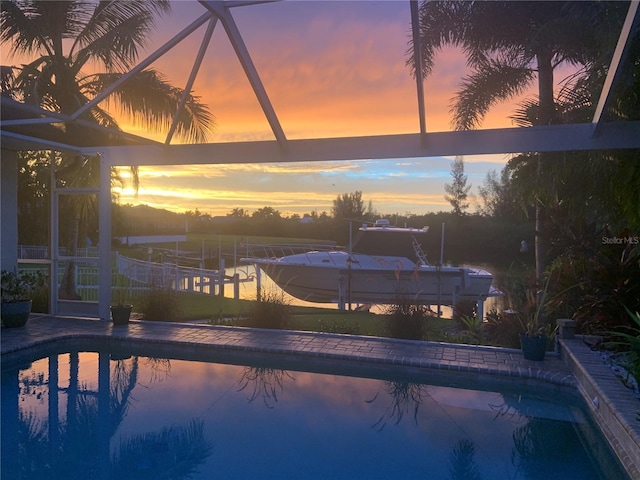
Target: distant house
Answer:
[[306, 219]]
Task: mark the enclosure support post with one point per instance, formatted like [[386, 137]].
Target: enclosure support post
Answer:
[[104, 239], [258, 283], [221, 278], [342, 291]]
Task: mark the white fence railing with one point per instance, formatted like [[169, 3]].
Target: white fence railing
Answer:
[[41, 252], [133, 278], [175, 277]]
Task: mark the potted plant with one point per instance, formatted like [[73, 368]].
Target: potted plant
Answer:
[[120, 311], [533, 339], [17, 292]]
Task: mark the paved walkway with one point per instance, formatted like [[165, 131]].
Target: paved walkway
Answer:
[[489, 360]]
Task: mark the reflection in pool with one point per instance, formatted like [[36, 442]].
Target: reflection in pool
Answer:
[[101, 415]]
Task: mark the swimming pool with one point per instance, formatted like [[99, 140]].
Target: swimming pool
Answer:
[[138, 413]]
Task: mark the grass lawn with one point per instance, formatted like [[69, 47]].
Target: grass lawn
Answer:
[[228, 311]]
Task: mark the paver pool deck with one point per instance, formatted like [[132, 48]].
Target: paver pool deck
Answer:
[[497, 361], [613, 406]]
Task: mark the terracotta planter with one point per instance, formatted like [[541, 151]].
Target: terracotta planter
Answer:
[[533, 346], [15, 314], [120, 314]]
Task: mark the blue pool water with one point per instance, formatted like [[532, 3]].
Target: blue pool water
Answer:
[[109, 415]]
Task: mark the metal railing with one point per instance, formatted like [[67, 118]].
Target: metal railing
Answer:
[[171, 276], [133, 278], [278, 250], [41, 252]]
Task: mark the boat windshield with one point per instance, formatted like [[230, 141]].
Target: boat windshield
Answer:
[[396, 242]]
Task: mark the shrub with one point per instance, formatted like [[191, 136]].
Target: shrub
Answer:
[[406, 320], [161, 304], [503, 328], [271, 311], [627, 339], [464, 309], [473, 329], [26, 285], [593, 281]]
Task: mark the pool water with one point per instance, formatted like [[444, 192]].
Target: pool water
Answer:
[[108, 415]]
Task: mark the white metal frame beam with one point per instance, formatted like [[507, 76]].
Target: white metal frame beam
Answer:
[[549, 138], [617, 60], [144, 64], [221, 10], [47, 117], [192, 77]]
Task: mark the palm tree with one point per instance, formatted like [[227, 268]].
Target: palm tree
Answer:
[[64, 38], [511, 46], [65, 42]]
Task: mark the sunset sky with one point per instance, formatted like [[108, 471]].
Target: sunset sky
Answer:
[[330, 69]]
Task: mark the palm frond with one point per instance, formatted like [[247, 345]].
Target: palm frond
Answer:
[[441, 23], [509, 33], [493, 82], [31, 83], [7, 77], [20, 27], [116, 31], [151, 102]]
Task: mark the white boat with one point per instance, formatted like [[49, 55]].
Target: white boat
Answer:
[[385, 264]]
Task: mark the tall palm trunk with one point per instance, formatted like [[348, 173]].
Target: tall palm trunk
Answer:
[[547, 107]]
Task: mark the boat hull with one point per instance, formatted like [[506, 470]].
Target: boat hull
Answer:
[[324, 277]]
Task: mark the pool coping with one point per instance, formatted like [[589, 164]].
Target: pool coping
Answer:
[[576, 366], [613, 406], [375, 350]]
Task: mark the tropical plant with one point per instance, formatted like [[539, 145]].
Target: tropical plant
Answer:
[[530, 314], [498, 198], [508, 57], [64, 40], [593, 281], [502, 328], [627, 340], [271, 311], [406, 319], [21, 286], [161, 304], [473, 328], [63, 45]]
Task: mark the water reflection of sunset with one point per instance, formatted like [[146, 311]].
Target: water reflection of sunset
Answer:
[[261, 418]]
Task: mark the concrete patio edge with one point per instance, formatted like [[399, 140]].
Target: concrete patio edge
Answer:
[[613, 406]]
